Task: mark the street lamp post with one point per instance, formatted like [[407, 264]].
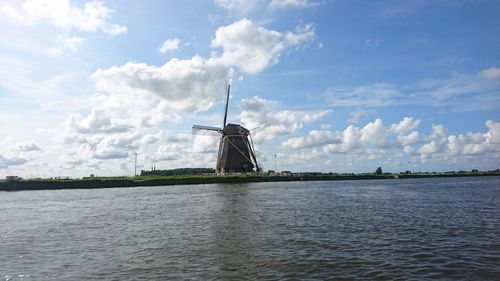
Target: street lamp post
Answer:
[[275, 171], [135, 165]]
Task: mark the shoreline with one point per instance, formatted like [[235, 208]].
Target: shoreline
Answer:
[[99, 183]]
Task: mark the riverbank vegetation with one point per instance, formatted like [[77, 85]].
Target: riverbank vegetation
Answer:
[[147, 179], [179, 172]]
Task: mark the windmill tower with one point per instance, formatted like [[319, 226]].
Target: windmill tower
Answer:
[[236, 153]]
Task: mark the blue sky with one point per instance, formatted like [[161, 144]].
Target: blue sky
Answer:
[[341, 86]]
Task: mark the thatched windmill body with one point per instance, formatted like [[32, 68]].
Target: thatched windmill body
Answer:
[[236, 152]]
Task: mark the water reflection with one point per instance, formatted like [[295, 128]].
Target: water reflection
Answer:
[[235, 229]]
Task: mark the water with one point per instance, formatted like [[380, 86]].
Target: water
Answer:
[[383, 229]]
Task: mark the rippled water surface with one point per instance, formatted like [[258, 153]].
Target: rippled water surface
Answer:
[[387, 229]]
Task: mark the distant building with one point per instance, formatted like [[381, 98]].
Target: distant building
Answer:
[[12, 178]]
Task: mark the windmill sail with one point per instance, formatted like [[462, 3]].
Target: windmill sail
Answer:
[[208, 128], [227, 103]]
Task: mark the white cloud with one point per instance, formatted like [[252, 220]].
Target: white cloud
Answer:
[[325, 126], [181, 155], [60, 13], [301, 157], [255, 112], [205, 144], [376, 95], [293, 3], [170, 45], [351, 140], [493, 135], [374, 42], [358, 114], [28, 146], [85, 148], [253, 48], [186, 85], [114, 128], [66, 43], [178, 138], [432, 147], [374, 133], [12, 12], [150, 139], [469, 144], [114, 29], [376, 141], [171, 152], [246, 6], [18, 154], [308, 118], [6, 161], [96, 122], [490, 73], [440, 145], [195, 84], [461, 92], [354, 139], [116, 146], [135, 110], [436, 141], [411, 138], [313, 139], [407, 124]]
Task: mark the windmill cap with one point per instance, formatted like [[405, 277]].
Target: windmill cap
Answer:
[[235, 129]]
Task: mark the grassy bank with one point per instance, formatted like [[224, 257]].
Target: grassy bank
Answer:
[[112, 182]]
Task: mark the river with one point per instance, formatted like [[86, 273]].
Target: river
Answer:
[[446, 228]]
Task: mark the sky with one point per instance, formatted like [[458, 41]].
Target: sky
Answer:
[[323, 85]]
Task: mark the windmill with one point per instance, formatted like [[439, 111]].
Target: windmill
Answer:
[[236, 153]]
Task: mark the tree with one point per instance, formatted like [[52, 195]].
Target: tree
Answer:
[[378, 171], [178, 172]]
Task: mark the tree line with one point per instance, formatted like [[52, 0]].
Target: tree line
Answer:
[[178, 172]]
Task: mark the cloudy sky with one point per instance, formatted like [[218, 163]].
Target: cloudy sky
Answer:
[[341, 86]]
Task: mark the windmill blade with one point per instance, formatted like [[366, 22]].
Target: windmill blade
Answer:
[[258, 128], [206, 130], [227, 103]]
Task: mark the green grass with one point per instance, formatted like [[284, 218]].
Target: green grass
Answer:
[[111, 182]]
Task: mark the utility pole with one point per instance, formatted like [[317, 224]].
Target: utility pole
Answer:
[[275, 171], [135, 165]]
